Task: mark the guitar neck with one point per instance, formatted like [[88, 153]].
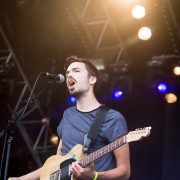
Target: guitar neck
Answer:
[[101, 152]]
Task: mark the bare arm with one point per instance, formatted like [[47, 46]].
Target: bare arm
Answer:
[[35, 175], [122, 171]]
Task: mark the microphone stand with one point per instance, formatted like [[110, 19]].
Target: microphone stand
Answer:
[[8, 132]]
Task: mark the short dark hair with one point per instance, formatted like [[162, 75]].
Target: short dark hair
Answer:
[[91, 68]]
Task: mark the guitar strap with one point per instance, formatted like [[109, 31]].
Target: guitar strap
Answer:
[[90, 138]]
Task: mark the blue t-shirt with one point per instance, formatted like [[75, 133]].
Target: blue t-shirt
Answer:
[[75, 124]]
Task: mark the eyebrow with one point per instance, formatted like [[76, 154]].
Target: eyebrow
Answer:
[[73, 69]]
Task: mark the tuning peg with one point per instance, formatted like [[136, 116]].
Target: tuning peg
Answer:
[[138, 129], [148, 128], [145, 128]]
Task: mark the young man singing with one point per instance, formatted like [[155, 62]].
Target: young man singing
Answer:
[[82, 78]]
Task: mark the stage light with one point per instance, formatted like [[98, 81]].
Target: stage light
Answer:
[[54, 139], [162, 87], [72, 100], [138, 12], [176, 70], [99, 63], [117, 94], [159, 82], [144, 33], [170, 98], [121, 86]]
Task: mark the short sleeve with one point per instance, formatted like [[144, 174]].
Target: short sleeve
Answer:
[[115, 125]]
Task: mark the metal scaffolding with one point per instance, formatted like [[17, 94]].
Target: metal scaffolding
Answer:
[[38, 144], [94, 29]]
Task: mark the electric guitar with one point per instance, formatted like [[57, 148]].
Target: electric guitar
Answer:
[[59, 167]]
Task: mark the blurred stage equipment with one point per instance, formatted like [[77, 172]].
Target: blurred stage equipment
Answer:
[[121, 79], [159, 74], [22, 3], [121, 86]]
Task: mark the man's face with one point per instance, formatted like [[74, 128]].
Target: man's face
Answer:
[[77, 79]]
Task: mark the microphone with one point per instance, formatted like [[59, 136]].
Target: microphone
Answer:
[[59, 78]]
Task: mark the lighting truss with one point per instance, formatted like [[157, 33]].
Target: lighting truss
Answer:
[[95, 28], [33, 115]]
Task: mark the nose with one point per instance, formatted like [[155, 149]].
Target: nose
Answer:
[[68, 75]]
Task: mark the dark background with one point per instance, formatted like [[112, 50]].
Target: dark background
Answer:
[[43, 33]]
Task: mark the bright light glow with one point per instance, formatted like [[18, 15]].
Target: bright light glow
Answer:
[[54, 139], [46, 121], [138, 12], [162, 87], [117, 94], [99, 63], [144, 33], [176, 70], [72, 100], [127, 1], [170, 98]]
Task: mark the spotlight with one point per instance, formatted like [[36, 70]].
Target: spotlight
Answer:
[[162, 87], [158, 81], [176, 70], [72, 100], [170, 98], [138, 11], [54, 139], [121, 86], [144, 33], [117, 94]]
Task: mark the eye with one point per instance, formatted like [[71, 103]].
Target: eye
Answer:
[[77, 70], [67, 72]]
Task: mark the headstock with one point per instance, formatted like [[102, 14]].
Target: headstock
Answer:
[[138, 134]]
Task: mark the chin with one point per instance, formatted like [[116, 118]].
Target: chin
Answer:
[[75, 94]]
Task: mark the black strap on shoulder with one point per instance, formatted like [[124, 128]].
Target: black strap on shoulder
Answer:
[[90, 138]]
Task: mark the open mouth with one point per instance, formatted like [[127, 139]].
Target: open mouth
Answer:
[[71, 83]]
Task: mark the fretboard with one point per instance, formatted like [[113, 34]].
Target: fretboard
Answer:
[[101, 152]]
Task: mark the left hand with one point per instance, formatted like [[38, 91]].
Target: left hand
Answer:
[[87, 173]]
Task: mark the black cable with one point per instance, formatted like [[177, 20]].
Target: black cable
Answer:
[[30, 96]]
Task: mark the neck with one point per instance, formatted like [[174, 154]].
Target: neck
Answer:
[[87, 103]]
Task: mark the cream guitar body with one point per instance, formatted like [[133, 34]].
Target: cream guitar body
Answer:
[[59, 167]]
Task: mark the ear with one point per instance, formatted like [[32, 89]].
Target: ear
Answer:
[[92, 80]]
